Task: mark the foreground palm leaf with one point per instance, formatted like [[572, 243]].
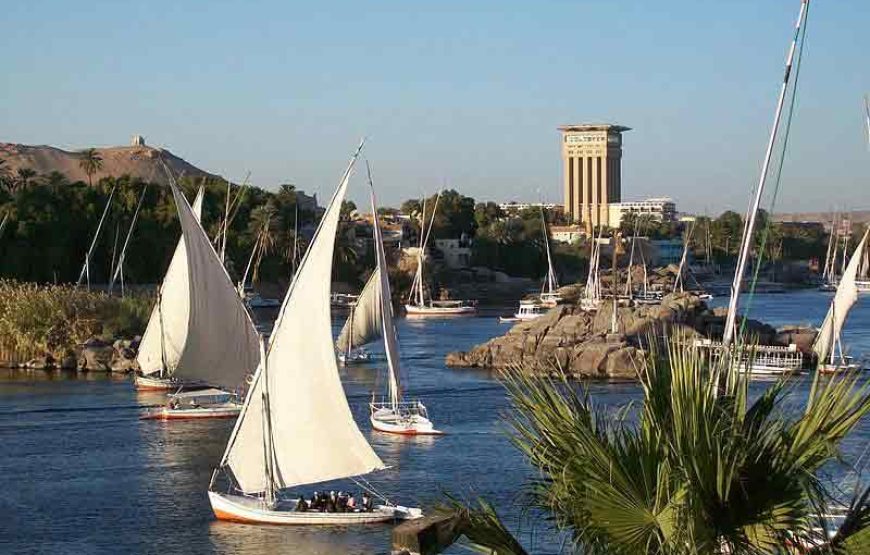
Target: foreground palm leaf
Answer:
[[696, 468]]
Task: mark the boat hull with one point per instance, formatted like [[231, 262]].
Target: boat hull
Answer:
[[147, 383], [439, 312], [166, 413], [250, 511], [387, 420]]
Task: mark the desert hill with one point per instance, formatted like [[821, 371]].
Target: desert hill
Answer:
[[136, 161]]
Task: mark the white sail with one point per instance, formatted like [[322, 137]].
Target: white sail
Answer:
[[312, 436], [844, 298], [363, 325], [170, 314], [222, 345], [391, 342]]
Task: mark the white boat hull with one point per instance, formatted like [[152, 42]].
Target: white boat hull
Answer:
[[147, 383], [242, 509], [388, 421], [438, 311], [229, 410]]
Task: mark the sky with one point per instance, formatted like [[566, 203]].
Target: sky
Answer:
[[467, 94]]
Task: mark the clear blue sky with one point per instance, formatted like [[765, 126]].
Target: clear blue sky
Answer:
[[467, 93]]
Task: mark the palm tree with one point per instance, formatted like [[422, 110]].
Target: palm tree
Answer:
[[24, 177], [697, 468], [90, 162], [265, 226]]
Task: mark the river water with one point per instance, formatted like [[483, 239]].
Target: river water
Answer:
[[82, 474]]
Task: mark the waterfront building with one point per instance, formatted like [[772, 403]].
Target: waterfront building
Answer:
[[662, 209], [514, 206], [592, 171], [456, 252], [566, 233]]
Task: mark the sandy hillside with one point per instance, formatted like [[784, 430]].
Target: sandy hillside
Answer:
[[136, 161]]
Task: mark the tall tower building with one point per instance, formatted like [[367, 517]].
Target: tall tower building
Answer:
[[592, 166]]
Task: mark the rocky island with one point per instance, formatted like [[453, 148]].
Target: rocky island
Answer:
[[581, 344]]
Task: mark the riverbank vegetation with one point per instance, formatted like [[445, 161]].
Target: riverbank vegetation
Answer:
[[699, 466], [55, 319]]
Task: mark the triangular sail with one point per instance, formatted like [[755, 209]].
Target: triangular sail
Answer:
[[364, 323], [169, 317], [222, 344], [844, 298], [312, 434], [391, 341]]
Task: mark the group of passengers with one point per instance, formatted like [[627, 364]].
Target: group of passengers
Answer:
[[333, 502]]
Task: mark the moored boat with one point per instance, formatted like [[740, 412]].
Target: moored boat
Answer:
[[828, 345]]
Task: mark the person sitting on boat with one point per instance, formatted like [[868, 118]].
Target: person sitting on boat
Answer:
[[332, 503], [351, 504], [301, 504], [367, 503]]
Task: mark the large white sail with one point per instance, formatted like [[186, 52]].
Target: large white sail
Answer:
[[363, 325], [844, 298], [170, 314], [312, 436], [391, 342], [222, 344]]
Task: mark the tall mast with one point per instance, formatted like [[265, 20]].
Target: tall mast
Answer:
[[551, 284], [119, 268], [749, 230], [226, 225], [86, 267]]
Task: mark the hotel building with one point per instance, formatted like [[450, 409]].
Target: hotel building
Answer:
[[592, 171]]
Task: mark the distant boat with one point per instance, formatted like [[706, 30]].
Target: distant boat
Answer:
[[418, 305], [549, 295], [166, 332], [362, 324], [591, 299], [296, 428], [393, 414], [530, 309], [200, 331], [829, 344]]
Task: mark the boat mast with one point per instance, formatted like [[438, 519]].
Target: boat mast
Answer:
[[749, 229], [551, 284], [86, 268], [678, 281], [269, 459], [388, 328], [119, 269], [164, 371], [226, 224]]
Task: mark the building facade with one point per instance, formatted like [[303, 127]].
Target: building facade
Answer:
[[661, 209], [592, 171]]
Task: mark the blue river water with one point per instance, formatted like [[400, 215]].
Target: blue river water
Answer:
[[83, 474]]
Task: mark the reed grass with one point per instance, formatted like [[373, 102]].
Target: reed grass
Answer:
[[54, 319]]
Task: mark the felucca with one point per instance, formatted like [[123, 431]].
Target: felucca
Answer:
[[361, 326], [418, 304], [296, 428], [199, 331], [829, 344], [530, 309], [392, 414]]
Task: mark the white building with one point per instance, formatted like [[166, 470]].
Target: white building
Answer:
[[457, 252], [662, 209], [520, 206], [566, 233]]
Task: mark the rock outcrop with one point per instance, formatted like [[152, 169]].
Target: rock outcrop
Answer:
[[581, 344]]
